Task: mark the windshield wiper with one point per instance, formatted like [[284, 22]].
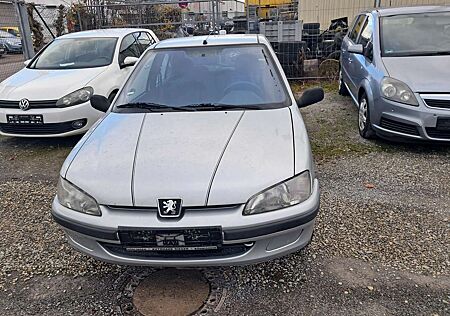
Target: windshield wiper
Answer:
[[418, 54], [152, 107], [220, 107]]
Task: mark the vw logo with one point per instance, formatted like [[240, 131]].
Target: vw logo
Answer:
[[24, 104]]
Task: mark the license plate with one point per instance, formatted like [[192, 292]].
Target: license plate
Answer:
[[20, 119], [443, 124], [187, 239]]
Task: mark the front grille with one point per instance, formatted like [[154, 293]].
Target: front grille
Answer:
[[436, 133], [45, 104], [442, 104], [399, 127], [40, 129], [222, 252]]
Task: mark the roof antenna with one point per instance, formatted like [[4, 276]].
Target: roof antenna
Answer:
[[205, 41]]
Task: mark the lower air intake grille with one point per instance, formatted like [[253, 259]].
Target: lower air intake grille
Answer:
[[41, 129], [436, 133], [222, 252], [399, 127]]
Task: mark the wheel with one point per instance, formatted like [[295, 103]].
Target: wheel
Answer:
[[342, 88], [364, 125]]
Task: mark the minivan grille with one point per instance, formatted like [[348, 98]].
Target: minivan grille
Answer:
[[45, 104], [442, 104], [399, 127]]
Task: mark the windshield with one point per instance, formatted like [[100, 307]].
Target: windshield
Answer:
[[5, 34], [226, 76], [416, 34], [76, 53]]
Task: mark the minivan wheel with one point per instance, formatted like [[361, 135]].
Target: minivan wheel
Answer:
[[342, 88], [364, 125]]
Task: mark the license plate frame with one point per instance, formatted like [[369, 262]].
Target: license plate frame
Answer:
[[25, 119], [171, 240]]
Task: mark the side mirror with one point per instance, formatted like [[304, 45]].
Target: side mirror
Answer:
[[356, 49], [27, 62], [100, 103], [129, 61], [310, 96]]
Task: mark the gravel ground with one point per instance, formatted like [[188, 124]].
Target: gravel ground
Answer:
[[381, 245]]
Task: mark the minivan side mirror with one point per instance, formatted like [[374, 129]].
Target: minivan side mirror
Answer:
[[310, 96], [129, 61], [100, 103], [27, 62], [356, 49]]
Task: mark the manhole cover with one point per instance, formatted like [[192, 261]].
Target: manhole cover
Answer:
[[171, 292]]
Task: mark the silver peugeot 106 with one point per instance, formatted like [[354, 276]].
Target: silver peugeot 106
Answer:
[[202, 159]]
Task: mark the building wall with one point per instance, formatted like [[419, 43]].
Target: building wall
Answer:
[[323, 11], [8, 15], [233, 7]]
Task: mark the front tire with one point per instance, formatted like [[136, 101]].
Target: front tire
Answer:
[[364, 124], [342, 88]]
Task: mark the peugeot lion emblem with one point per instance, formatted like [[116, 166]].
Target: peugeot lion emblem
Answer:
[[169, 207], [24, 104]]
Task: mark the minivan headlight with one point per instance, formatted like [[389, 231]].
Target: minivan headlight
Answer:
[[77, 97], [395, 90], [282, 195], [74, 198]]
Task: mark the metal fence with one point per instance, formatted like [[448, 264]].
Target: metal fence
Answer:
[[306, 34], [24, 29], [11, 57]]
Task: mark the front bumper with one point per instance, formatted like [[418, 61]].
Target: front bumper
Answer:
[[14, 48], [393, 119], [57, 121], [261, 237]]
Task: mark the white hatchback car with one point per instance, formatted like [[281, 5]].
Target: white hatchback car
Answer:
[[50, 96]]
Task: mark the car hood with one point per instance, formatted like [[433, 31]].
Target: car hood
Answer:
[[421, 73], [204, 158], [39, 84]]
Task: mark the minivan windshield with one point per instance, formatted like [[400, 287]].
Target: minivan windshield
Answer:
[[423, 34], [76, 53], [208, 78]]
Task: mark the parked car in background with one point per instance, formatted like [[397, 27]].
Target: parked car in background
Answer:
[[203, 159], [395, 64], [12, 43], [50, 96], [14, 30], [2, 50]]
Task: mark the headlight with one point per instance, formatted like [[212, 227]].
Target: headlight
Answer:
[[74, 198], [76, 97], [398, 91], [285, 194]]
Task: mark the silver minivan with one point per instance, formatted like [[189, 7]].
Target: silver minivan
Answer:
[[395, 64], [202, 159]]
